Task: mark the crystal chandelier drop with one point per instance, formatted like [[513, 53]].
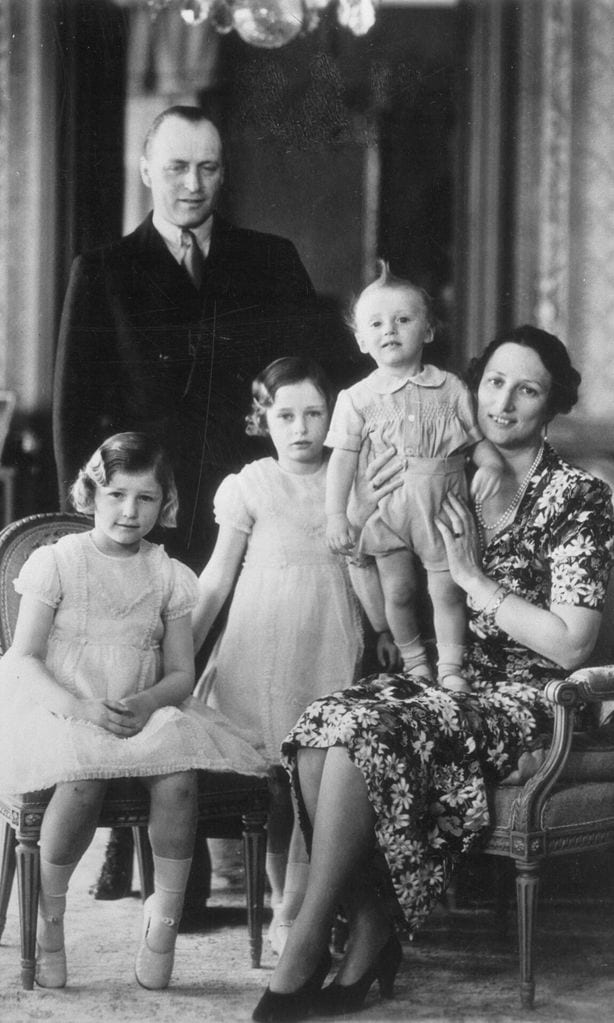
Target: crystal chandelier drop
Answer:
[[270, 23]]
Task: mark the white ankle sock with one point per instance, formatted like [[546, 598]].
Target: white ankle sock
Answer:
[[52, 903], [450, 659], [413, 654], [276, 865], [170, 881], [55, 878]]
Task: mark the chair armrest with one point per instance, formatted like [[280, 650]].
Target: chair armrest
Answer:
[[587, 685]]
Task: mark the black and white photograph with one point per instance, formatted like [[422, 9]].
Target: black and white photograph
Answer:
[[306, 412]]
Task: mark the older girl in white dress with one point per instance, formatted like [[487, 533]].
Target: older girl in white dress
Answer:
[[293, 631]]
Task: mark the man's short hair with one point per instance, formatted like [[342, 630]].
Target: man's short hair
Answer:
[[194, 115]]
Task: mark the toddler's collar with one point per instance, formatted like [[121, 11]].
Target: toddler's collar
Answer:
[[429, 376]]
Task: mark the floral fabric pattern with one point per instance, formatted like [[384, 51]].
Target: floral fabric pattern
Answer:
[[427, 755]]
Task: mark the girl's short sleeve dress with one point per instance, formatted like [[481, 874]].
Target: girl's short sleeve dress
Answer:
[[293, 631], [104, 643]]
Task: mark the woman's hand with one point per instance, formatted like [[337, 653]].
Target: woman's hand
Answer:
[[375, 477], [387, 651], [459, 532]]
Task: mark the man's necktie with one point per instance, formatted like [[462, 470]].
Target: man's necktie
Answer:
[[193, 259]]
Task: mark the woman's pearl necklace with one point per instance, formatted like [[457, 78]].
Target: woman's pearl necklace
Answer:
[[512, 507]]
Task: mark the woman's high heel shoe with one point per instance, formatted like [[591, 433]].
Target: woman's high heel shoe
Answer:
[[337, 999], [153, 969], [276, 1007]]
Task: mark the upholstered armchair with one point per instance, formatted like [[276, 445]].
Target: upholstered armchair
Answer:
[[567, 807], [229, 805]]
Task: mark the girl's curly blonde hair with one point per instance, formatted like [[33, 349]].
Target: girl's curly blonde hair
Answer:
[[129, 453]]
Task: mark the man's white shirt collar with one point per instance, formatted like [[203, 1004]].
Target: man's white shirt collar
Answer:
[[429, 376], [172, 235]]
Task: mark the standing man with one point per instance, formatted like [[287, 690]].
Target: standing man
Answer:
[[164, 330]]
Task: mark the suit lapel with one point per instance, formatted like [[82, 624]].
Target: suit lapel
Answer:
[[159, 270]]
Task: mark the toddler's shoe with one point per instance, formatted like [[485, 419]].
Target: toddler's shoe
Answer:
[[153, 969], [455, 683]]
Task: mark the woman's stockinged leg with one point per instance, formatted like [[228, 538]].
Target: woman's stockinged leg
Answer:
[[310, 765], [342, 842]]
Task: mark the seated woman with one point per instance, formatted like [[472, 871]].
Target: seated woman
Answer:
[[392, 774]]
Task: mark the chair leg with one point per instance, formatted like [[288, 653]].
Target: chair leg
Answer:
[[144, 858], [527, 887], [502, 886], [28, 878], [254, 851], [7, 870]]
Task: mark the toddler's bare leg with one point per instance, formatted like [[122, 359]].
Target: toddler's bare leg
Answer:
[[450, 619], [398, 577]]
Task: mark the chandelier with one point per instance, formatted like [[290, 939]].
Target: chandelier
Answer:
[[269, 23]]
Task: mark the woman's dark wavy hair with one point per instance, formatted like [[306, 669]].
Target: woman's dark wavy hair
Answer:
[[129, 453], [553, 354], [288, 370]]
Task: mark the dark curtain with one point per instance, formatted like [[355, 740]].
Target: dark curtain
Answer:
[[91, 41]]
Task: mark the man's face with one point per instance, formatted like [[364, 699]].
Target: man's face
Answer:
[[184, 170]]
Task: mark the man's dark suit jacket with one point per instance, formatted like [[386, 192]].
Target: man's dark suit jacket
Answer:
[[141, 349]]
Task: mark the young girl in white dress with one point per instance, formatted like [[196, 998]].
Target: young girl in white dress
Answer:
[[97, 684], [293, 631]]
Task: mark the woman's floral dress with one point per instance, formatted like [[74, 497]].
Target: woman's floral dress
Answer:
[[427, 754]]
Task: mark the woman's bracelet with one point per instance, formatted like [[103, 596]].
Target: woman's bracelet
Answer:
[[489, 611]]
